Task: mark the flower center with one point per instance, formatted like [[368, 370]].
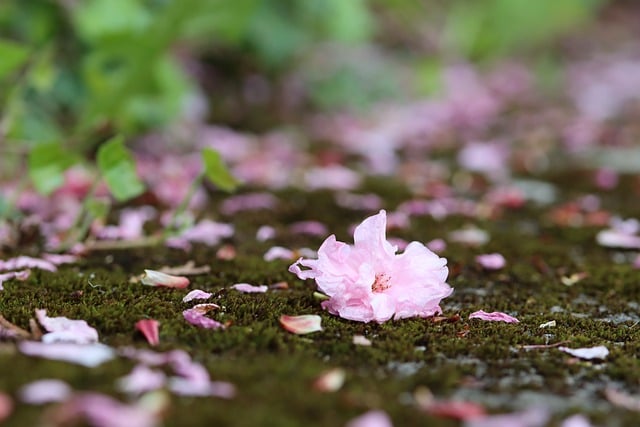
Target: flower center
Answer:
[[381, 283]]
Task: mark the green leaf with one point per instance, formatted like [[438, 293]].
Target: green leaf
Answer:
[[118, 169], [13, 56], [47, 163], [217, 172]]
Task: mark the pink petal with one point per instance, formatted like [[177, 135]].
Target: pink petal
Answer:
[[44, 391], [371, 419], [104, 411], [22, 262], [313, 228], [437, 245], [6, 406], [617, 239], [197, 318], [330, 381], [493, 261], [247, 288], [208, 232], [495, 316], [265, 232], [196, 294], [599, 352], [534, 417], [141, 380], [149, 328], [469, 236], [66, 330], [248, 202], [456, 409], [278, 252], [58, 259], [576, 420], [90, 355], [304, 324], [156, 278]]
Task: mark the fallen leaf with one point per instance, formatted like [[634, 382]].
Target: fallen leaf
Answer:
[[371, 419]]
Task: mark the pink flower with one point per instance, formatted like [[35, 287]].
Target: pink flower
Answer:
[[494, 261], [368, 281]]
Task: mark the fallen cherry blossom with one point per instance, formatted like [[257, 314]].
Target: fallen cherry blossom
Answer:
[[368, 281], [141, 379], [371, 419], [89, 355], [304, 324], [278, 252], [588, 353], [206, 232], [62, 329], [472, 236], [44, 391], [249, 289], [312, 228], [196, 294], [248, 202], [330, 381], [495, 316], [455, 409], [196, 317], [193, 378], [149, 328], [156, 278], [265, 232], [494, 261]]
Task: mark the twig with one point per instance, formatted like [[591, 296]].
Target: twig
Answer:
[[21, 333], [543, 346]]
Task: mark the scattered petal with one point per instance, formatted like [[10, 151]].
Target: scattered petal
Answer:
[[156, 278], [265, 232], [304, 324], [103, 411], [455, 409], [149, 328], [622, 399], [312, 228], [249, 289], [196, 294], [187, 269], [361, 340], [371, 419], [89, 355], [226, 252], [493, 261], [616, 239], [533, 417], [45, 391], [142, 379], [330, 381], [6, 406], [278, 252], [549, 324], [588, 353], [469, 236], [197, 318], [61, 329], [20, 275], [24, 262], [437, 245], [495, 316], [577, 420], [280, 286]]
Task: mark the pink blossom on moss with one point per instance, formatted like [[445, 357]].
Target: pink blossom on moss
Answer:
[[250, 289], [369, 281], [494, 261], [371, 419]]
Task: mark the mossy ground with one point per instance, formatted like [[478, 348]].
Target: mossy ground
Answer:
[[273, 369]]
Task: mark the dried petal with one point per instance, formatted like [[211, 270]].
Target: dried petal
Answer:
[[156, 278], [495, 316], [589, 353], [23, 262], [149, 328], [247, 288], [304, 324]]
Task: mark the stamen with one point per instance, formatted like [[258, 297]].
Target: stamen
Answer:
[[381, 283]]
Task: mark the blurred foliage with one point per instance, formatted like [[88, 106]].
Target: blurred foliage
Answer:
[[74, 73]]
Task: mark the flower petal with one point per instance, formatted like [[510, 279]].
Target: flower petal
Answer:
[[157, 278], [149, 328], [196, 294], [304, 324], [495, 316], [248, 289], [197, 318], [66, 330], [6, 406], [494, 261], [141, 380], [331, 380], [44, 391], [371, 419], [90, 355], [589, 353]]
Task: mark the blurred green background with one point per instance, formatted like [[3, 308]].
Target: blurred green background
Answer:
[[77, 72]]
